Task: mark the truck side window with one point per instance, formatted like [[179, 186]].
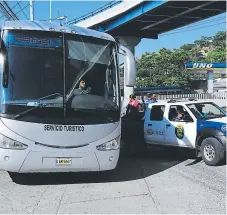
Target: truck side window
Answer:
[[157, 112], [175, 110]]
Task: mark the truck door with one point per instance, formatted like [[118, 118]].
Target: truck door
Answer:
[[180, 133], [154, 124]]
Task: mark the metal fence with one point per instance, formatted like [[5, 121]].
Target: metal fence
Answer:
[[198, 96]]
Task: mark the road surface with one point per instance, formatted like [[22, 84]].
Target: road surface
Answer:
[[160, 182]]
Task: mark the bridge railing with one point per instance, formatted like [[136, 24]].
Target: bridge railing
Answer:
[[197, 96], [95, 12]]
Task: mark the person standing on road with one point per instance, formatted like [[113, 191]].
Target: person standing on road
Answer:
[[154, 98], [133, 103], [149, 99]]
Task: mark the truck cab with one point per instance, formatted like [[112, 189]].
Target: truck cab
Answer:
[[189, 124]]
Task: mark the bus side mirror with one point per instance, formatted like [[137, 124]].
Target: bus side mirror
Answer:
[[4, 65], [129, 66], [5, 74], [5, 80]]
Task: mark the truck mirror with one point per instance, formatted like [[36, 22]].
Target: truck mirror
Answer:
[[129, 66]]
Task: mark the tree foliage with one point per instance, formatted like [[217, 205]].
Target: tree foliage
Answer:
[[167, 67]]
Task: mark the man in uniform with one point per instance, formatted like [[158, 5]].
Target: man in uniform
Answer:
[[149, 99], [180, 117]]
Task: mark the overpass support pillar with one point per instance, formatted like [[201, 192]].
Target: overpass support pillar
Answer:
[[210, 80], [130, 43]]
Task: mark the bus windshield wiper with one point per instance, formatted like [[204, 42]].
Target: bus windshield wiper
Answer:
[[39, 104], [84, 110]]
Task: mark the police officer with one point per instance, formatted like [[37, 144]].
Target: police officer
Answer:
[[149, 99], [180, 117]]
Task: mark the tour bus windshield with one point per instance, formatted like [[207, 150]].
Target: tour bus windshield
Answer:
[[206, 110], [51, 77]]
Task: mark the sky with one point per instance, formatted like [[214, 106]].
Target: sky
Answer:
[[170, 40]]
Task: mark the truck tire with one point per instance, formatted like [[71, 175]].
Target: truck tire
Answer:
[[212, 151]]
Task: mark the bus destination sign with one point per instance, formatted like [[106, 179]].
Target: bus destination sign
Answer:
[[32, 40]]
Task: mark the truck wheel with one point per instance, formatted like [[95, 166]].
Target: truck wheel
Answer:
[[212, 151]]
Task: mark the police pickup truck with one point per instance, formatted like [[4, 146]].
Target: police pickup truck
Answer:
[[191, 124]]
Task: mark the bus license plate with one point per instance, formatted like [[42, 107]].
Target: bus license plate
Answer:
[[63, 161]]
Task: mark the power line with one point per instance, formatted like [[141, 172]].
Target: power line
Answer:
[[15, 5], [5, 12], [8, 12], [192, 29], [12, 14], [11, 9], [23, 10]]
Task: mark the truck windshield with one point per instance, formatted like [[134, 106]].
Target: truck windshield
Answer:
[[206, 110], [80, 71]]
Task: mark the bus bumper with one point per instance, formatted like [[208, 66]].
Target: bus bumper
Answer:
[[28, 161]]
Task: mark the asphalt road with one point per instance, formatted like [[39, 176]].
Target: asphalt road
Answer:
[[161, 182]]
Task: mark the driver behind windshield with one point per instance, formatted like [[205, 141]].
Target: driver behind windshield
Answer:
[[180, 117], [83, 89]]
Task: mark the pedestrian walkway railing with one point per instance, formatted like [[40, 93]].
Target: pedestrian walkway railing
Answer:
[[198, 96], [95, 12]]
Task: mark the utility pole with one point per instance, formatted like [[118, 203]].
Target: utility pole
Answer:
[[31, 11], [50, 9]]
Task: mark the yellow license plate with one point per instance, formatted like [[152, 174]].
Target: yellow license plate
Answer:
[[63, 161]]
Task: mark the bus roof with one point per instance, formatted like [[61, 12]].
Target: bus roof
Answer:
[[49, 26]]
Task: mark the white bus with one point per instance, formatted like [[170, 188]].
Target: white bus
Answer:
[[59, 98]]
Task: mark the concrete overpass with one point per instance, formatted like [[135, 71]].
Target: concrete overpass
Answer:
[[129, 21], [133, 20]]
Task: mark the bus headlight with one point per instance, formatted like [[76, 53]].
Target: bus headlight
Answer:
[[8, 143], [111, 145]]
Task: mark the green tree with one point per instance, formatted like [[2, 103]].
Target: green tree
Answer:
[[217, 55], [219, 40], [167, 67]]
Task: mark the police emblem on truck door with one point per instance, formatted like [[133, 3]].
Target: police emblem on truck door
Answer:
[[179, 131], [149, 132]]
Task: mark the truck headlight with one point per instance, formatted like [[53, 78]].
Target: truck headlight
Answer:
[[111, 145], [8, 143]]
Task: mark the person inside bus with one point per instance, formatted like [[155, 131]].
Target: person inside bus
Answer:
[[83, 89]]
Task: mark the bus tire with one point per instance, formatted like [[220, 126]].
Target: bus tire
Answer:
[[138, 148], [212, 151]]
